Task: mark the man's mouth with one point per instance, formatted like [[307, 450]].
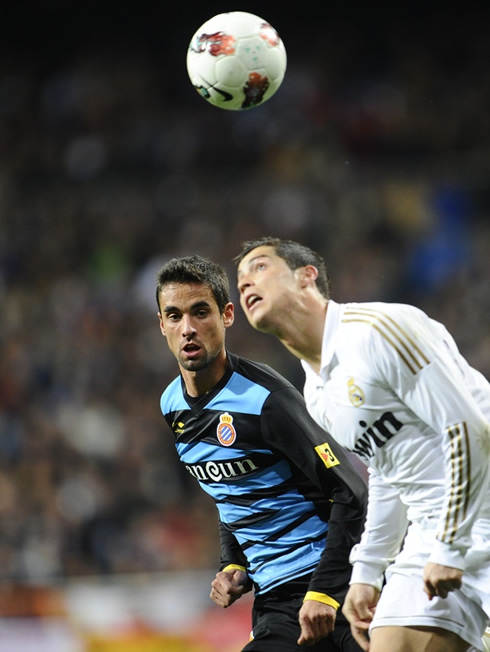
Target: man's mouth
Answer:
[[190, 349], [252, 300]]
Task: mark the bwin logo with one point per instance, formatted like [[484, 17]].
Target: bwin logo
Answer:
[[377, 434]]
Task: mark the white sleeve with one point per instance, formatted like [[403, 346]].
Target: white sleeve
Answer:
[[313, 392], [385, 529], [424, 368]]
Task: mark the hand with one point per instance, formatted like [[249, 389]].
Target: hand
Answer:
[[228, 586], [317, 620], [440, 580], [359, 607]]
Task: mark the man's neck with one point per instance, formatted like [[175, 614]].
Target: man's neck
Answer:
[[305, 340], [199, 383]]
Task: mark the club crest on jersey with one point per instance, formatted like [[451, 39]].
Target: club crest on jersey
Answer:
[[225, 431], [356, 395]]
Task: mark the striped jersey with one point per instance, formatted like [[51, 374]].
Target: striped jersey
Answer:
[[394, 389], [286, 494]]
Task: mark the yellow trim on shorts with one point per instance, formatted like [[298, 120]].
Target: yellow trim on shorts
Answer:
[[321, 597]]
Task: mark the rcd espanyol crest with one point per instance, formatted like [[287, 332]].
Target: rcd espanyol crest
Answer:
[[225, 430]]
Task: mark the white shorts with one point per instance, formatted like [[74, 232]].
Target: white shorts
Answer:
[[486, 640], [403, 601]]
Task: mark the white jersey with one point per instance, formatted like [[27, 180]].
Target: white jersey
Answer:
[[394, 389]]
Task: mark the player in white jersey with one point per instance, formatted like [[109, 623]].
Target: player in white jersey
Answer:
[[390, 385]]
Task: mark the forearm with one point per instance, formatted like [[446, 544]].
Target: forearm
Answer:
[[467, 486], [332, 575], [232, 556], [386, 526]]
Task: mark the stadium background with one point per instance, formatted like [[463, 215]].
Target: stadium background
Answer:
[[375, 151]]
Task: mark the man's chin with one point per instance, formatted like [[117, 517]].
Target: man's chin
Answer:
[[260, 322], [194, 365]]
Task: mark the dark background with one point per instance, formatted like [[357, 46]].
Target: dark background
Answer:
[[345, 38]]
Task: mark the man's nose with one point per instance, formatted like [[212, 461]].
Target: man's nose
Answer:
[[244, 283], [188, 327]]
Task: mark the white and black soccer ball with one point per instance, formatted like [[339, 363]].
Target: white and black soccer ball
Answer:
[[236, 60]]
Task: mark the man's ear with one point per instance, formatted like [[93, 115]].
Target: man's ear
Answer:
[[162, 327], [307, 275], [228, 315]]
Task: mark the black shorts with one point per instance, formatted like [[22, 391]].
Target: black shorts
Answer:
[[275, 624]]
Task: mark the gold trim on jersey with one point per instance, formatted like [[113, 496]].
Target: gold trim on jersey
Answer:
[[460, 481], [392, 332]]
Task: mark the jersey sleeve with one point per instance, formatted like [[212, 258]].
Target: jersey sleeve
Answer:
[[386, 526], [231, 552], [292, 433], [420, 361]]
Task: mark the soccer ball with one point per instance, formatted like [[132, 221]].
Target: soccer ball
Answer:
[[236, 60]]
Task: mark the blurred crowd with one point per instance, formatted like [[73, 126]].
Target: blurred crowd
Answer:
[[109, 167]]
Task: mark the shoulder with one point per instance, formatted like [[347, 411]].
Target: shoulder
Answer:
[[375, 311], [256, 388], [388, 333], [390, 321], [172, 398], [258, 373]]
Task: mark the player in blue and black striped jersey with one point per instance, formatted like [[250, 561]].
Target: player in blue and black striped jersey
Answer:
[[291, 506]]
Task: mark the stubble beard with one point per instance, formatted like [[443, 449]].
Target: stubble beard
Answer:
[[200, 364]]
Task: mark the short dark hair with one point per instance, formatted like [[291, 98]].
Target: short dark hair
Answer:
[[294, 254], [195, 269]]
